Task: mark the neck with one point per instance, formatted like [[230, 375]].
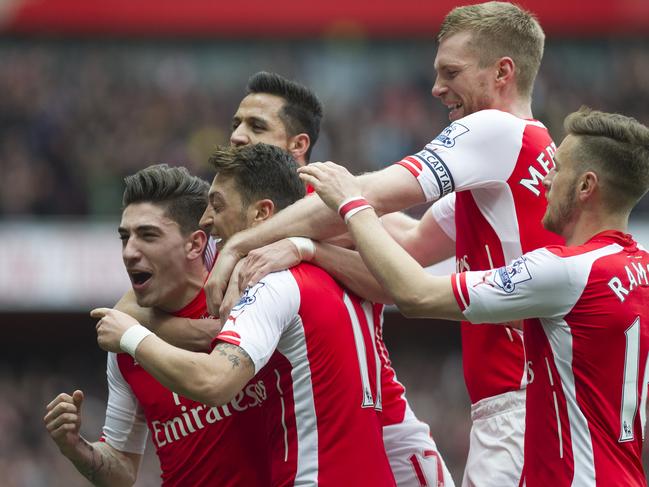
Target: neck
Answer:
[[590, 224], [194, 280]]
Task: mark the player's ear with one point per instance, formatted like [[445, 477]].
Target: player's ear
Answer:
[[262, 210], [587, 184], [195, 244], [298, 146], [506, 70]]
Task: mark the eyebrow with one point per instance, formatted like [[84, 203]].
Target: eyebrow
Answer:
[[141, 228]]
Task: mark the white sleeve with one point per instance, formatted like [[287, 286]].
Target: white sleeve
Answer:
[[265, 310], [443, 211], [476, 151], [537, 285], [125, 428]]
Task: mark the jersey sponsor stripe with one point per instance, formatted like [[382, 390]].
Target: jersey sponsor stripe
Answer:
[[369, 318], [457, 291], [278, 384], [368, 397], [293, 346], [561, 341], [409, 165]]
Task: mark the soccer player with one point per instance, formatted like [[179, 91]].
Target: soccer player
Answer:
[[586, 304], [286, 114], [484, 171], [297, 328], [279, 112], [162, 249]]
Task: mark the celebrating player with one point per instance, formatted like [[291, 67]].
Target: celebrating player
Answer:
[[485, 170], [310, 341], [162, 249], [586, 303]]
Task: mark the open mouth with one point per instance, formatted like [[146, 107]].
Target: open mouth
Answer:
[[139, 278], [453, 109]]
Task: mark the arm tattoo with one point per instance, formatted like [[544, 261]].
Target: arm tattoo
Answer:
[[101, 466], [234, 354]]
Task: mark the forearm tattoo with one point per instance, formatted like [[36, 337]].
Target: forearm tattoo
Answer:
[[234, 354]]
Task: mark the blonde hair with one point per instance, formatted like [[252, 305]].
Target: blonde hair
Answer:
[[500, 29], [617, 148]]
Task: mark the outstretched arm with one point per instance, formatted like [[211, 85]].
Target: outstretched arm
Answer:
[[390, 189], [99, 462], [189, 334], [414, 291], [212, 379]]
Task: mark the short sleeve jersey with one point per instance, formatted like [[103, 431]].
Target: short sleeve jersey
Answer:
[[196, 444], [587, 349], [495, 163], [317, 340]]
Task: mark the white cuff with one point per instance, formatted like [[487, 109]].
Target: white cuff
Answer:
[[305, 247], [132, 338]]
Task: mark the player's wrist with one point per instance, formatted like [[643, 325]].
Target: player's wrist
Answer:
[[305, 248], [351, 206], [132, 338]]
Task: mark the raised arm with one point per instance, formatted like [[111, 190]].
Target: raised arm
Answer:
[[390, 189], [212, 379], [414, 292], [99, 462], [189, 334]]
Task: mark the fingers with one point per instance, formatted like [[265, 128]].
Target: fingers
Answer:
[[62, 410], [77, 399], [100, 312]]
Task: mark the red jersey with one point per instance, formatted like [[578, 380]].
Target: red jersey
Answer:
[[318, 342], [494, 162], [587, 348], [196, 444]]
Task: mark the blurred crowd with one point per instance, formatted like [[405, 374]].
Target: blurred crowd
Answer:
[[77, 116]]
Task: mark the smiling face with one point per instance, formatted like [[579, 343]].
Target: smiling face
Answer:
[[226, 213], [561, 188], [155, 253], [461, 84]]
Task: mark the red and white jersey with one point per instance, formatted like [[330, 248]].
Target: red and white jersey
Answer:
[[495, 163], [317, 341], [196, 444], [587, 349]]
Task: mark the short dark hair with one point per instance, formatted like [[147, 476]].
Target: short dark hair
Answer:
[[184, 196], [615, 146], [302, 111], [260, 171]]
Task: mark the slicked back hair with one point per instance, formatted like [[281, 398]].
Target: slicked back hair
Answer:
[[260, 171], [183, 196], [616, 147], [302, 110], [500, 29]]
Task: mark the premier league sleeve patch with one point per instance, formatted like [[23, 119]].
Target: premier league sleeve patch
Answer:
[[249, 297], [507, 277], [449, 134]]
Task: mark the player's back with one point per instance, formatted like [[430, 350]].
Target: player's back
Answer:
[[325, 429], [586, 404]]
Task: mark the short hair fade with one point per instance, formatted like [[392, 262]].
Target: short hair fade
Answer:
[[617, 148], [302, 111], [500, 29], [260, 171], [183, 196]]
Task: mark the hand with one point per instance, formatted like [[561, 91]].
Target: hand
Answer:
[[278, 256], [217, 282], [63, 421], [111, 326], [332, 182]]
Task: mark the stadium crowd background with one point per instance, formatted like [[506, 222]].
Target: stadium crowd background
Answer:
[[77, 116]]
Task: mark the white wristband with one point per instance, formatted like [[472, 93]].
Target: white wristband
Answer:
[[132, 338], [305, 247]]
